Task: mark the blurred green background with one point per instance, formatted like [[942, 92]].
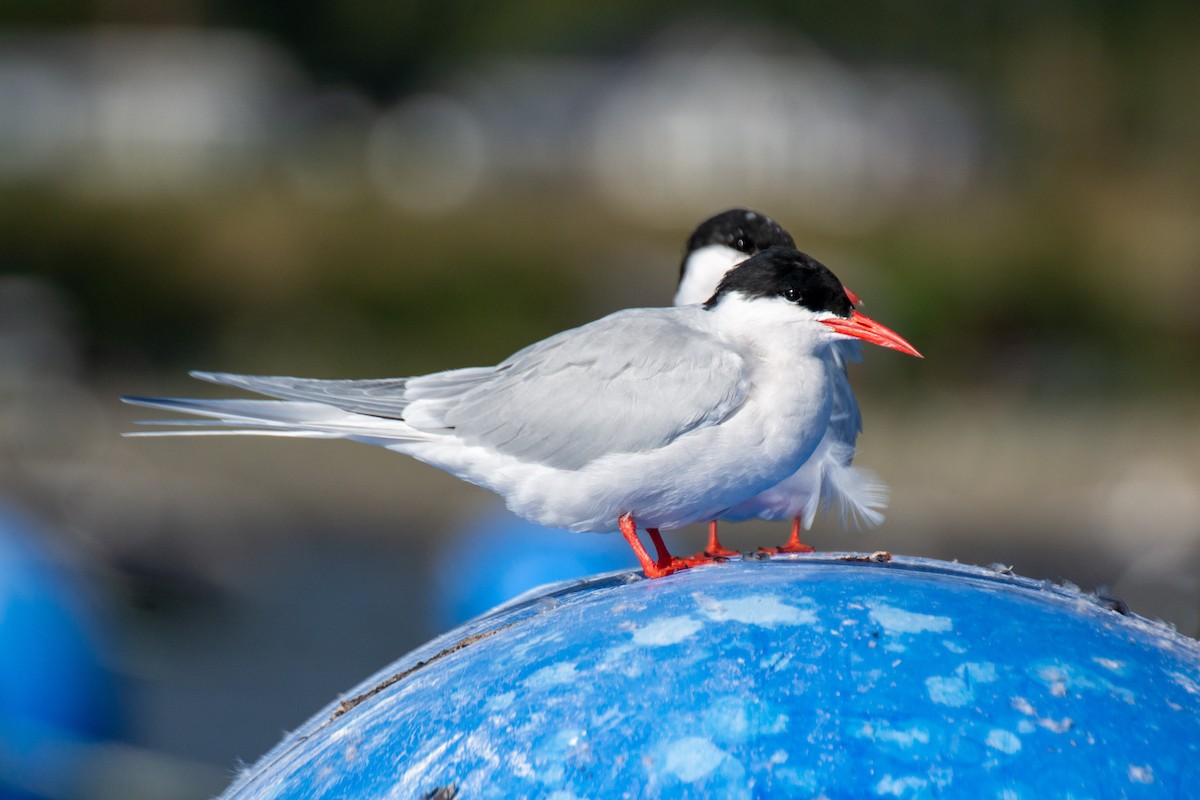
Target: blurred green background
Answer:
[[355, 189]]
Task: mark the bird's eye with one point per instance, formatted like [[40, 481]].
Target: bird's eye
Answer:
[[791, 294], [740, 244]]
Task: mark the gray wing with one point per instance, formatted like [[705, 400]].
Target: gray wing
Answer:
[[633, 381], [630, 382]]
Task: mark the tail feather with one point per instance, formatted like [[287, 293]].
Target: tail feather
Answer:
[[271, 418], [386, 397], [291, 433], [857, 495]]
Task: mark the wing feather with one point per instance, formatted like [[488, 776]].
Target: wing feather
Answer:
[[630, 382]]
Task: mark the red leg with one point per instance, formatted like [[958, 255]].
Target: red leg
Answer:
[[793, 545], [664, 555], [670, 563], [715, 548], [650, 568]]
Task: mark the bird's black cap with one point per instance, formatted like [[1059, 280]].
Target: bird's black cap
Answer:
[[786, 272], [742, 229]]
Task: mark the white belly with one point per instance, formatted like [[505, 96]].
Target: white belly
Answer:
[[693, 478]]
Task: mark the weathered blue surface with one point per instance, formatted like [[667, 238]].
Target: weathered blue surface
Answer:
[[799, 677]]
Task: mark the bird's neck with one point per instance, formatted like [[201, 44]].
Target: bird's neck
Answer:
[[772, 330], [705, 268], [788, 356]]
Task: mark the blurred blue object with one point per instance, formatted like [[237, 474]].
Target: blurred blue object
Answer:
[[808, 676], [500, 555], [55, 694]]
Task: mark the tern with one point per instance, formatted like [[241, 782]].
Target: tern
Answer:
[[827, 479], [658, 417]]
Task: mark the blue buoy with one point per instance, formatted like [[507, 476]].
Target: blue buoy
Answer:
[[56, 695], [801, 676]]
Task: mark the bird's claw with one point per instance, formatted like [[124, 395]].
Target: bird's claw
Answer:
[[697, 559], [661, 569], [792, 545]]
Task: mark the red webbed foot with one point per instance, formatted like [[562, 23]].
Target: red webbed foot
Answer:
[[665, 558], [792, 545], [714, 548], [664, 565]]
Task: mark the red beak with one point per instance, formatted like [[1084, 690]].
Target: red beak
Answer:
[[867, 329], [853, 298]]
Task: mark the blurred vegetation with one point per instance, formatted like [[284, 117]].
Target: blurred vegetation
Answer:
[[1059, 296], [1072, 266], [394, 46], [158, 285]]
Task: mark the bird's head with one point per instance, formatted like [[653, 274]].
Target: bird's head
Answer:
[[738, 233], [784, 275], [722, 242]]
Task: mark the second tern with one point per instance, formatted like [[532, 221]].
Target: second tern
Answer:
[[826, 479]]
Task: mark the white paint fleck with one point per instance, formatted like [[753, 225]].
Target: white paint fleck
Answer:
[[764, 610], [517, 760], [1004, 741], [1055, 679], [1189, 685], [1056, 725], [693, 758], [500, 702], [978, 671], [959, 689], [667, 630], [1140, 774], [616, 656], [736, 719], [776, 662], [953, 647], [1024, 706], [801, 783], [562, 672], [949, 690], [899, 786], [903, 737], [898, 620], [417, 771], [1108, 663], [941, 776], [1026, 727]]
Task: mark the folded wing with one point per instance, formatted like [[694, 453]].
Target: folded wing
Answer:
[[631, 382]]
